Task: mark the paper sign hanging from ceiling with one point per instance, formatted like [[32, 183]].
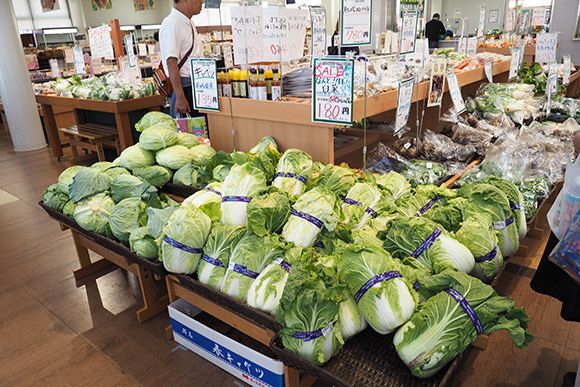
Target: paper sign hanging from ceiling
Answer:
[[509, 21], [268, 34], [101, 43], [355, 22], [481, 26]]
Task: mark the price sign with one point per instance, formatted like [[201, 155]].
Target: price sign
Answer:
[[101, 43], [332, 90], [204, 84], [228, 55], [54, 67], [408, 32], [130, 48], [318, 28], [68, 55], [567, 70], [404, 101], [515, 62], [462, 45], [471, 46], [488, 67], [524, 21], [539, 16], [509, 21], [355, 22], [438, 67], [79, 61], [551, 86], [481, 26], [455, 92], [546, 47], [142, 47], [152, 49]]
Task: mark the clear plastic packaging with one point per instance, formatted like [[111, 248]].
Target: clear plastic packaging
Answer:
[[438, 147]]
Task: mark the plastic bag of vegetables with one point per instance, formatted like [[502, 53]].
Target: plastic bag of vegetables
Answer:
[[93, 213], [422, 239], [461, 308], [292, 173], [183, 238], [216, 254], [377, 283], [249, 257], [314, 210], [243, 182]]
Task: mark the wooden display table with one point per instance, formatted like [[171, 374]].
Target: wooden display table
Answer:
[[573, 88], [120, 110], [290, 122], [529, 52]]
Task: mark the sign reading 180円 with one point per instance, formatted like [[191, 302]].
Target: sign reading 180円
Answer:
[[204, 83], [332, 88]]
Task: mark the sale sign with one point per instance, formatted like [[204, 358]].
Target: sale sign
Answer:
[[332, 90], [204, 84], [355, 22]]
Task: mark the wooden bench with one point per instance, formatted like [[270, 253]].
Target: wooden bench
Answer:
[[91, 137]]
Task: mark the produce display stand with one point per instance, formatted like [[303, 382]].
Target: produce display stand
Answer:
[[119, 109], [114, 254], [529, 52], [290, 122], [573, 88]]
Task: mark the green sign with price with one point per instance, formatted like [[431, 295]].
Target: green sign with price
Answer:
[[332, 90]]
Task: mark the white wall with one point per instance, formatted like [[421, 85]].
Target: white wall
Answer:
[[564, 19], [470, 9], [124, 11]]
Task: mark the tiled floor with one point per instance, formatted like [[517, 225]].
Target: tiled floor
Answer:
[[55, 333]]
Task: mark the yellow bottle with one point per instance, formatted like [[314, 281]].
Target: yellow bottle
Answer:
[[243, 84], [236, 82]]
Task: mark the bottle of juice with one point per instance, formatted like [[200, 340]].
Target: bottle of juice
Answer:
[[220, 83], [268, 76]]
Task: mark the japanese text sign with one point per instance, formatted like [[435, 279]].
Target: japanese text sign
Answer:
[[318, 28], [332, 90], [408, 32], [204, 84], [455, 92], [546, 47], [404, 101], [101, 43], [515, 62], [355, 22]]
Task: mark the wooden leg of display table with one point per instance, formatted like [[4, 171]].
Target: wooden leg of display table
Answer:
[[152, 304], [124, 130], [170, 280], [292, 378], [87, 267]]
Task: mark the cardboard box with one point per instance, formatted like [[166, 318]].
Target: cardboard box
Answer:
[[248, 365]]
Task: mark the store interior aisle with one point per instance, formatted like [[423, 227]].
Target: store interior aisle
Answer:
[[55, 333]]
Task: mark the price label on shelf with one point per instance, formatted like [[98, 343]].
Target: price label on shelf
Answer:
[[455, 92], [481, 26], [79, 60], [318, 28], [488, 67], [462, 45], [515, 62], [408, 32], [142, 47], [130, 48], [471, 49], [54, 67], [567, 70], [404, 101], [546, 47], [204, 84], [332, 91], [355, 22]]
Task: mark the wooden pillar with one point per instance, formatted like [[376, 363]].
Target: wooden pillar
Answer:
[[117, 38]]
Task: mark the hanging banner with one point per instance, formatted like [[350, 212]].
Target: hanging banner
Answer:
[[404, 101], [539, 16], [332, 90], [515, 62], [488, 67], [567, 70], [546, 47], [79, 61], [130, 49], [455, 92], [437, 81], [408, 32], [268, 34], [318, 29], [355, 22], [471, 49], [481, 25], [100, 42], [509, 21], [204, 84]]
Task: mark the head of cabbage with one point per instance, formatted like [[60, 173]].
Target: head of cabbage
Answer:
[[136, 157], [126, 216], [174, 157], [158, 137], [152, 118], [93, 213]]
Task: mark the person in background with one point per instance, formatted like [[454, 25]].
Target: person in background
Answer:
[[178, 41], [433, 29]]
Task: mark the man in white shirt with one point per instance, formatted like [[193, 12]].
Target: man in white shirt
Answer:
[[179, 40]]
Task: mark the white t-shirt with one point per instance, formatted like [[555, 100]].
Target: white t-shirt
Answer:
[[175, 40]]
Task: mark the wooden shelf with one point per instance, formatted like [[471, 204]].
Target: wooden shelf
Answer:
[[124, 106]]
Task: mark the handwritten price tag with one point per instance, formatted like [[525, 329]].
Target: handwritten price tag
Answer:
[[515, 62], [130, 48], [546, 47], [455, 92], [204, 83], [79, 60], [462, 45], [471, 46], [539, 16], [332, 88], [481, 26], [318, 28], [404, 101], [509, 21], [355, 26], [567, 70], [488, 67], [101, 43], [408, 32], [54, 67]]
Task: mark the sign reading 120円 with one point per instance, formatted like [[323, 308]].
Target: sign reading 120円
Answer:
[[204, 84], [332, 90], [355, 22]]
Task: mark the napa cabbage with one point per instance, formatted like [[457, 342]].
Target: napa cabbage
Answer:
[[293, 170], [242, 183]]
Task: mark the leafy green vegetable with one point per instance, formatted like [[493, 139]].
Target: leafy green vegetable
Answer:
[[143, 244], [136, 157], [187, 139], [336, 178], [533, 75], [114, 171], [448, 215], [128, 186], [186, 175], [93, 213], [152, 118], [394, 183], [350, 318], [157, 218], [390, 302], [126, 216], [182, 239], [202, 154], [156, 175], [318, 206], [174, 157], [65, 179], [216, 254], [516, 200], [268, 213], [424, 172], [441, 329], [54, 198], [208, 200], [243, 182], [69, 209], [293, 170], [88, 182], [363, 202], [157, 137]]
